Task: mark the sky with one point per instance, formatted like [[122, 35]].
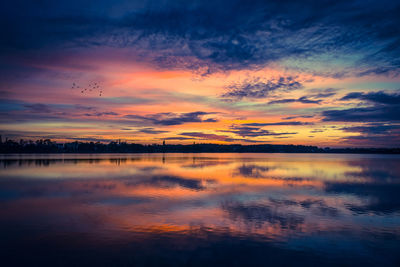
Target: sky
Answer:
[[322, 73]]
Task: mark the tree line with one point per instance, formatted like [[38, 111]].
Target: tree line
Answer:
[[48, 146]]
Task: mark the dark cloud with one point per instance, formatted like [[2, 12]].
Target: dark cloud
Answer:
[[288, 123], [101, 114], [248, 131], [312, 98], [323, 95], [373, 129], [38, 108], [217, 137], [209, 37], [317, 131], [382, 107], [374, 134], [81, 107], [298, 116], [303, 99], [206, 136], [171, 118], [257, 88], [149, 130], [365, 114], [379, 97], [210, 120]]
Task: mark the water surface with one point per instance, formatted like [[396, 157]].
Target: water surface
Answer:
[[198, 209]]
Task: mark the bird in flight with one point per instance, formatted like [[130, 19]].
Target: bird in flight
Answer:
[[94, 86]]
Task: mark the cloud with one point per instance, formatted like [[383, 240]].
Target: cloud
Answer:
[[256, 88], [373, 128], [217, 137], [149, 130], [298, 116], [312, 98], [317, 131], [247, 131], [288, 123], [303, 99], [374, 134], [379, 97], [101, 114], [375, 141], [382, 107], [207, 136], [171, 118], [365, 114], [323, 95], [86, 108], [210, 120], [38, 108]]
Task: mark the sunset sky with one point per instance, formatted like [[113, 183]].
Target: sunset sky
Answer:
[[322, 73]]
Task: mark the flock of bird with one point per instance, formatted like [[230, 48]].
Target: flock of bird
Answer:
[[91, 87]]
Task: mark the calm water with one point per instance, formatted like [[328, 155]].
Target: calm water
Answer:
[[198, 209]]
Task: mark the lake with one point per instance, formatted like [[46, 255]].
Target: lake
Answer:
[[199, 209]]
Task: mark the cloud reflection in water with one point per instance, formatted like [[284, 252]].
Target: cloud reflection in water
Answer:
[[194, 209]]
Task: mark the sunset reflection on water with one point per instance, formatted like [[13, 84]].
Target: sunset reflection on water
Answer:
[[191, 209]]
